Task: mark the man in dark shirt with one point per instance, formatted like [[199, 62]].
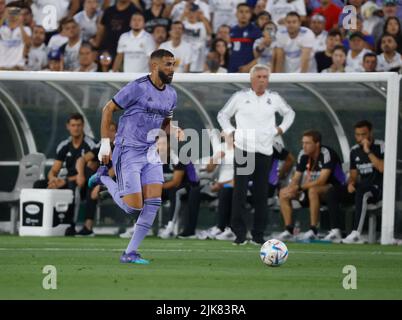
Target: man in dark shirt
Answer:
[[242, 37], [366, 173], [324, 58], [115, 22], [318, 168], [67, 153]]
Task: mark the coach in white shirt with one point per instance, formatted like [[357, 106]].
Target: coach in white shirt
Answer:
[[134, 47], [254, 110]]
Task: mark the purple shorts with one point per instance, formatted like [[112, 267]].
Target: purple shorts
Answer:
[[135, 168]]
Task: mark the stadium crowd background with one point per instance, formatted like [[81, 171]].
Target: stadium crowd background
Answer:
[[205, 36]]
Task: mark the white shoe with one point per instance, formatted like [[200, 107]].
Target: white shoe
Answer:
[[226, 235], [309, 235], [284, 236], [167, 232], [334, 235], [128, 234], [213, 232], [353, 237], [202, 235]]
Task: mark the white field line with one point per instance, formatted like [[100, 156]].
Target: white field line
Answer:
[[248, 250]]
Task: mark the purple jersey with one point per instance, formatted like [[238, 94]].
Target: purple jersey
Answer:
[[145, 107]]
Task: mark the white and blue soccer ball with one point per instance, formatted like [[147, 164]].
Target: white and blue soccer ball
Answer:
[[274, 253]]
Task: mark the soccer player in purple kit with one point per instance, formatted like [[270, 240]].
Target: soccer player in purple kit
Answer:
[[148, 104]]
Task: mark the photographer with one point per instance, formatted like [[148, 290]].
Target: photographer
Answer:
[[263, 47]]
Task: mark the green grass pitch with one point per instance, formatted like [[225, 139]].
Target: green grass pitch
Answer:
[[193, 269]]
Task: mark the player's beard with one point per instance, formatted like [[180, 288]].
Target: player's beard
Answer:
[[164, 77]]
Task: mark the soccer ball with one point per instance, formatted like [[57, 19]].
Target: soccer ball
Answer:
[[274, 253]]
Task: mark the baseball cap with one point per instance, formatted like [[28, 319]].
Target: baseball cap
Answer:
[[54, 55], [390, 2], [194, 7], [356, 34]]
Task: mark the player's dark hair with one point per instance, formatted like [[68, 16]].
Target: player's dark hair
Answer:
[[369, 54], [293, 14], [161, 53], [177, 22], [314, 134], [363, 124], [86, 44], [75, 116]]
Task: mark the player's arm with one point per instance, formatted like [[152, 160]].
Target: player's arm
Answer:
[[279, 59], [107, 118], [377, 162], [321, 181], [54, 170], [100, 33], [117, 62], [353, 174], [80, 167], [305, 59], [177, 179], [170, 129]]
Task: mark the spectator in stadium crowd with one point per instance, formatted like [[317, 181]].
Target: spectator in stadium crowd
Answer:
[[212, 63], [135, 47], [27, 16], [323, 59], [249, 109], [224, 34], [67, 153], [389, 59], [37, 52], [87, 57], [180, 48], [317, 25], [294, 47], [318, 168], [180, 6], [14, 38], [264, 46], [368, 39], [220, 46], [366, 173], [370, 62], [390, 10], [2, 11], [262, 18], [160, 34], [392, 26], [105, 61], [86, 165], [330, 11], [242, 37], [70, 50], [114, 22], [196, 32], [60, 38], [54, 61], [156, 15], [88, 19], [354, 58], [258, 7], [280, 8], [372, 15], [223, 12], [338, 60], [182, 176]]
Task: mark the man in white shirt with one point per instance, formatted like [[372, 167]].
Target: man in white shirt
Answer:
[[14, 36], [88, 19], [254, 110], [48, 13], [71, 49], [37, 55], [134, 47], [280, 8], [180, 7], [354, 58], [180, 49], [317, 25], [389, 58], [294, 47]]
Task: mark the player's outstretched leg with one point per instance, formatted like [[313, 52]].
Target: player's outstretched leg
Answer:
[[141, 228], [95, 179]]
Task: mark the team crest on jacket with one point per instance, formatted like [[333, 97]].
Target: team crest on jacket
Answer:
[[269, 101]]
